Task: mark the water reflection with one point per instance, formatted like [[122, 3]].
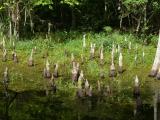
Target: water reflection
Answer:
[[157, 105], [35, 105]]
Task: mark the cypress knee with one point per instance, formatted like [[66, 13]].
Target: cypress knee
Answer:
[[92, 51], [30, 60], [4, 59], [112, 71], [120, 69], [46, 72], [55, 74], [101, 55], [74, 75], [136, 91], [14, 57]]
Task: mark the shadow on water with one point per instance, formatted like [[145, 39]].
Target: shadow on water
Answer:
[[35, 105]]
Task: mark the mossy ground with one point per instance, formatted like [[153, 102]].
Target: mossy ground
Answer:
[[24, 79]]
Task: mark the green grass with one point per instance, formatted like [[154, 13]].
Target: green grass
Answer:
[[23, 77]]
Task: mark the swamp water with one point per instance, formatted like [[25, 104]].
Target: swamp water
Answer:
[[120, 105]]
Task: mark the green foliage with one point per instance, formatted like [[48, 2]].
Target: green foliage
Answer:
[[42, 2], [108, 29], [71, 2], [134, 2]]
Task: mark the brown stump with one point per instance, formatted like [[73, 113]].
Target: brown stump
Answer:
[[15, 58], [136, 91], [75, 72], [30, 62], [107, 91], [120, 70], [46, 73], [74, 76], [112, 72]]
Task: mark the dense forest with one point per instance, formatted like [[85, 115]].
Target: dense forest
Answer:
[[21, 16]]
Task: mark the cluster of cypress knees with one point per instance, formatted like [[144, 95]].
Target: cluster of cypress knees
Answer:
[[83, 86]]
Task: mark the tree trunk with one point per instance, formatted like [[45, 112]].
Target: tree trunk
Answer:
[[156, 63], [138, 25], [120, 22], [10, 26]]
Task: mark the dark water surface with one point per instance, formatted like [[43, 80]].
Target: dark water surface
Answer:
[[35, 105]]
